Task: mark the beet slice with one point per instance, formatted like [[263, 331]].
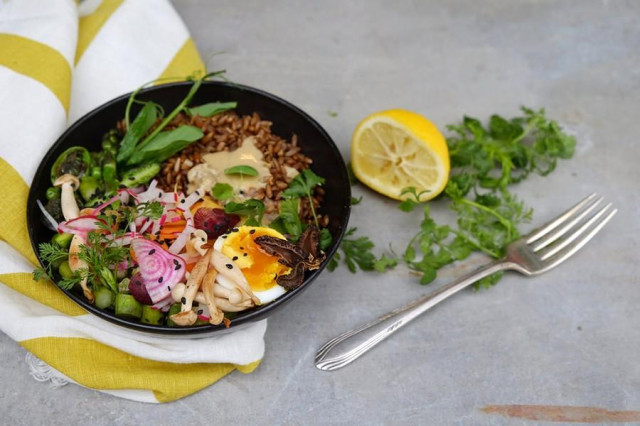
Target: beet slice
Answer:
[[214, 222]]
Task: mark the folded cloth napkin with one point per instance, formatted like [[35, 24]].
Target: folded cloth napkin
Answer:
[[102, 49]]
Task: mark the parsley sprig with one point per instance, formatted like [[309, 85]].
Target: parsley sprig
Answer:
[[358, 253]]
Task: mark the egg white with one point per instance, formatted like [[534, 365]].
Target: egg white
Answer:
[[265, 296]]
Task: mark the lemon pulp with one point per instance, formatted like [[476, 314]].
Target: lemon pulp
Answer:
[[396, 149]]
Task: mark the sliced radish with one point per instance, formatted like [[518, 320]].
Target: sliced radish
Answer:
[[81, 225], [203, 312], [146, 226], [160, 270], [106, 204], [163, 305], [123, 240], [181, 241]]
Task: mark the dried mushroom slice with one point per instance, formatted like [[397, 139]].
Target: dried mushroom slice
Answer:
[[309, 241], [289, 254], [293, 279]]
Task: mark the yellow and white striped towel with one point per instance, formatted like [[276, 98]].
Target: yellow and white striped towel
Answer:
[[101, 49]]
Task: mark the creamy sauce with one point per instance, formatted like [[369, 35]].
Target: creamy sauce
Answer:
[[204, 176]]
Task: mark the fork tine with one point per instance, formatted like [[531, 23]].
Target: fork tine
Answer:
[[539, 233], [557, 233], [574, 242]]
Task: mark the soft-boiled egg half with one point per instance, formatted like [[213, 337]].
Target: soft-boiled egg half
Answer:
[[259, 268]]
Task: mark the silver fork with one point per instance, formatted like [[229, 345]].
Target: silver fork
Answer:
[[533, 254]]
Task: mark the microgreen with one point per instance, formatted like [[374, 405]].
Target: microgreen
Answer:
[[222, 191]]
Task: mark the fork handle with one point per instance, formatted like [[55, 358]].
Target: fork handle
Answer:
[[349, 346]]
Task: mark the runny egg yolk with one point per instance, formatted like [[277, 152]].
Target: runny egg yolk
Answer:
[[259, 268]]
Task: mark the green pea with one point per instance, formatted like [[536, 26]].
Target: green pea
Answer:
[[65, 270], [96, 172], [62, 240], [53, 192]]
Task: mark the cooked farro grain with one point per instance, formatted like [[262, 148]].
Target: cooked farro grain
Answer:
[[225, 132]]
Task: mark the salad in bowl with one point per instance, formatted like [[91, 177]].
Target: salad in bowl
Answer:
[[195, 216]]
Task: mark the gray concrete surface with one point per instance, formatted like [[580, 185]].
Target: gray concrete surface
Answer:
[[569, 337]]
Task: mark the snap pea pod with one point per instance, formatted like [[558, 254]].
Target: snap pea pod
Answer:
[[108, 278], [65, 270], [140, 175], [151, 316], [109, 172], [62, 240], [128, 307], [104, 297], [89, 186], [174, 309]]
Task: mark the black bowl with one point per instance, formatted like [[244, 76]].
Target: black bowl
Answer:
[[287, 120]]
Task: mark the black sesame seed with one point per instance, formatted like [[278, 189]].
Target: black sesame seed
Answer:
[[178, 266], [241, 248], [245, 254], [184, 300], [200, 311], [152, 251], [224, 236], [234, 229], [159, 194], [182, 201], [175, 262], [169, 288], [229, 266], [253, 231], [203, 240], [235, 258], [160, 279]]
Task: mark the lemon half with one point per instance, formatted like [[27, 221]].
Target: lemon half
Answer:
[[396, 149]]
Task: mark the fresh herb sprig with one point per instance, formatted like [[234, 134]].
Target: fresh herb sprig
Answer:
[[252, 209], [357, 253], [52, 254], [484, 162], [302, 186]]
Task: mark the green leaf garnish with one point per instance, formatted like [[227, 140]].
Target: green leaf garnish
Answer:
[[241, 170], [252, 209], [210, 109], [165, 144], [222, 191], [141, 125]]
